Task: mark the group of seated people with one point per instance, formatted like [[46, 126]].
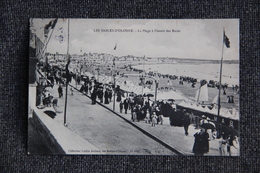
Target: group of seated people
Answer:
[[49, 101]]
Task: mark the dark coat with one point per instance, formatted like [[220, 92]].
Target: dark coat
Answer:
[[139, 100], [94, 95], [186, 119], [121, 105], [201, 143], [166, 109], [60, 89], [119, 96], [131, 103], [106, 97], [126, 102], [176, 119], [100, 94]]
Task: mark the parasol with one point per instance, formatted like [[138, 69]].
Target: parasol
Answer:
[[208, 126], [149, 95], [231, 131], [171, 100]]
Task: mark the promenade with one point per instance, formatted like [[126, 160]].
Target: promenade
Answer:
[[100, 128], [87, 121]]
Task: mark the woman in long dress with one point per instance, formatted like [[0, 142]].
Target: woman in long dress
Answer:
[[201, 143]]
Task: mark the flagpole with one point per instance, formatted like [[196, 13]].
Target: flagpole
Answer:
[[67, 68], [143, 76], [41, 53], [114, 75], [220, 85]]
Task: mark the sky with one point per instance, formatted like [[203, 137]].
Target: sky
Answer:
[[192, 38]]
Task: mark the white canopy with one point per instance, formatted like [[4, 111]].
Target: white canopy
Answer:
[[224, 112]]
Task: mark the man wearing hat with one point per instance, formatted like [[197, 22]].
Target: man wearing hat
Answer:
[[186, 121], [204, 120], [126, 102], [210, 131], [60, 91]]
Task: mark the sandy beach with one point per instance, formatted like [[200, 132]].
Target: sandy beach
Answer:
[[200, 70]]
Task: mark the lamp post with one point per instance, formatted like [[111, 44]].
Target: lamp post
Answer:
[[97, 69], [156, 87], [114, 101], [67, 76]]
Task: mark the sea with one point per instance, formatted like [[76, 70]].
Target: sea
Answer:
[[207, 71]]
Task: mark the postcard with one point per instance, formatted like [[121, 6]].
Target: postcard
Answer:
[[134, 87]]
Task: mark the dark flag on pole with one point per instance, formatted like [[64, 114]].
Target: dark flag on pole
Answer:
[[115, 47], [226, 40], [49, 26], [46, 60]]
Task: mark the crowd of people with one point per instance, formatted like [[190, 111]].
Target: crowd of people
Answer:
[[152, 112], [98, 91]]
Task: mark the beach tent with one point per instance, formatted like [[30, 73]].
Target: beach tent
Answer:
[[183, 103], [202, 94], [207, 109], [214, 111], [200, 108], [225, 113], [235, 114]]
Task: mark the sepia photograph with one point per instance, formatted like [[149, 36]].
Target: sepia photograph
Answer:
[[134, 87]]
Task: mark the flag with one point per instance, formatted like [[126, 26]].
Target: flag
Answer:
[[49, 26], [46, 59], [39, 45], [226, 40], [202, 93], [115, 47]]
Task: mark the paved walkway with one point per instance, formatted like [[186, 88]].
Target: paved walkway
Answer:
[[109, 133], [171, 135]]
